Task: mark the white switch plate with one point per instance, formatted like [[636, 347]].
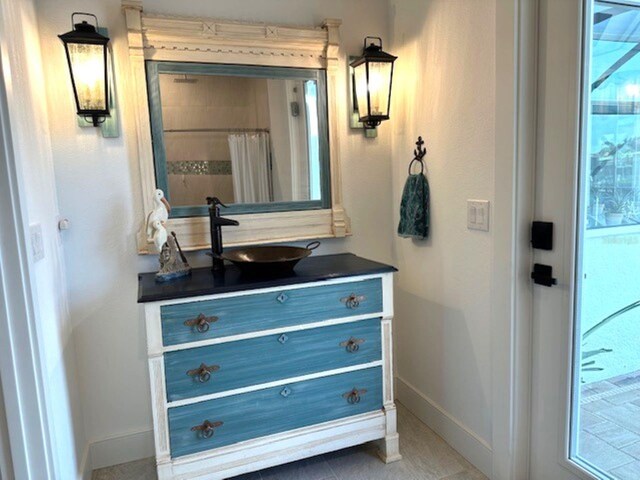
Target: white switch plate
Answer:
[[37, 243], [478, 215]]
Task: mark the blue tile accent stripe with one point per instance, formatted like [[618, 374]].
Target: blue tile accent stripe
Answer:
[[199, 167]]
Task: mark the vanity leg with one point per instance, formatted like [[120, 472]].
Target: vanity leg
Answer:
[[164, 471], [389, 446]]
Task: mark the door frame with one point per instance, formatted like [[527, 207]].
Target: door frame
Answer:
[[512, 295], [22, 378], [517, 27], [6, 467]]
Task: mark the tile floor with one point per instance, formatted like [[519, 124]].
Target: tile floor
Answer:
[[610, 422], [426, 456]]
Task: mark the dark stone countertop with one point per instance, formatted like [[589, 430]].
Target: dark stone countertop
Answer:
[[203, 281]]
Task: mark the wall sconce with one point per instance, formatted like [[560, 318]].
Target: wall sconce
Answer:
[[372, 76], [86, 53]]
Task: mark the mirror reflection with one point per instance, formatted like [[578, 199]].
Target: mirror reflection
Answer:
[[246, 139]]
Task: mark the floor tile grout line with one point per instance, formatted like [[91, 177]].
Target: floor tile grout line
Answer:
[[333, 472], [609, 393]]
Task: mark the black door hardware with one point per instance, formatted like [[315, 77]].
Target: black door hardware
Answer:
[[543, 275], [542, 235]]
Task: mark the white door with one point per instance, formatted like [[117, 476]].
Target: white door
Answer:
[[5, 457], [586, 328]]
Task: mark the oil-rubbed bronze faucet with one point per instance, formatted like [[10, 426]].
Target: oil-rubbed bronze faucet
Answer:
[[215, 224]]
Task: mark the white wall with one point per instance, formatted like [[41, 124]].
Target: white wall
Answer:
[[444, 91], [31, 141], [98, 188]]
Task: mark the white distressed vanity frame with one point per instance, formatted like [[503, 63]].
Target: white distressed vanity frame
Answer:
[[289, 446], [207, 40]]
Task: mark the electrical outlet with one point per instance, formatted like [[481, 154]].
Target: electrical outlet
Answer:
[[478, 215], [37, 242]]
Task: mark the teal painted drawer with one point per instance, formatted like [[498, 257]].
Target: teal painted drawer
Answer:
[[194, 321], [217, 368], [215, 423]]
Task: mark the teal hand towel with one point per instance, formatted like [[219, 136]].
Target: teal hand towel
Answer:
[[414, 208]]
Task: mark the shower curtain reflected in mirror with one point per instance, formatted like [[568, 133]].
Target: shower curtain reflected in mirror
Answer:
[[250, 164]]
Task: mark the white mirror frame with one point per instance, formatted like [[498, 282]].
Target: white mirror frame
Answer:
[[204, 40]]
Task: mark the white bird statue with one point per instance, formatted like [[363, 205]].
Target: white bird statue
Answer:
[[160, 212], [159, 234]]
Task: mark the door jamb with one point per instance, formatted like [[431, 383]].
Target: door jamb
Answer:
[[6, 468], [23, 391], [516, 101]]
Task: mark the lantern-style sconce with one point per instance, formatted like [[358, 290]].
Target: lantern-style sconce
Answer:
[[372, 75], [86, 53]]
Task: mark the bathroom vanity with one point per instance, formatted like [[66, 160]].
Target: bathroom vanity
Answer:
[[247, 373]]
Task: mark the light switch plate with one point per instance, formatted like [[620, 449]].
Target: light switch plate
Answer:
[[478, 215], [37, 243]]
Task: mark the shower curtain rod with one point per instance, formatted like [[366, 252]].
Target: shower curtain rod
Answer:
[[216, 130]]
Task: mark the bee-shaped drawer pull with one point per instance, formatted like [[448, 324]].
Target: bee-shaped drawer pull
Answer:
[[353, 344], [201, 322], [203, 372], [354, 395], [207, 428], [353, 300]]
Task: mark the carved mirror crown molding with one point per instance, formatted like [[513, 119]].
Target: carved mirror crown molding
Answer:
[[208, 40]]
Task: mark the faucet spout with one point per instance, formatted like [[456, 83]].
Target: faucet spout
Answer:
[[215, 224], [226, 222]]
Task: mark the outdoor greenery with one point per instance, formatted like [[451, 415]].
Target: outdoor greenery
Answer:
[[611, 182]]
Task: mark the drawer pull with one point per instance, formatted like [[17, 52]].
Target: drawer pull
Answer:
[[353, 396], [353, 300], [203, 372], [201, 322], [353, 344], [206, 429]]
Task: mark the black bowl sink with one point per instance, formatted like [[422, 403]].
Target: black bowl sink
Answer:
[[268, 260]]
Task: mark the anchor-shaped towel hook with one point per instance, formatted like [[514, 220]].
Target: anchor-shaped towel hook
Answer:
[[418, 154]]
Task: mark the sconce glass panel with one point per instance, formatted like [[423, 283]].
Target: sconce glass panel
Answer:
[[360, 76], [88, 70], [379, 86]]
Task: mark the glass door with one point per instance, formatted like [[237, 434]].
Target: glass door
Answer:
[[586, 329], [605, 436]]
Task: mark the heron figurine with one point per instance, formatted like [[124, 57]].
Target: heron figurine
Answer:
[[160, 212], [159, 234]]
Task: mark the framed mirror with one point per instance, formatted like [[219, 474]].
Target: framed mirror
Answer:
[[244, 111], [254, 136]]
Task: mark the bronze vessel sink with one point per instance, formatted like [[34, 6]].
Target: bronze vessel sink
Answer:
[[268, 260]]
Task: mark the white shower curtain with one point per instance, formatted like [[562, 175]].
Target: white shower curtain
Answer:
[[250, 167]]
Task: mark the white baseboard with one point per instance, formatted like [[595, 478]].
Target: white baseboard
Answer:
[[121, 449], [453, 431]]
